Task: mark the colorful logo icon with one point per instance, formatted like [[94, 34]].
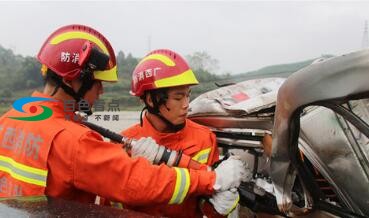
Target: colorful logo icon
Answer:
[[19, 103]]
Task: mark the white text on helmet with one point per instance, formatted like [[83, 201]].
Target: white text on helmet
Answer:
[[65, 57], [145, 74]]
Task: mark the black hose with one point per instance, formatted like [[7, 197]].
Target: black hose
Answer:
[[105, 132]]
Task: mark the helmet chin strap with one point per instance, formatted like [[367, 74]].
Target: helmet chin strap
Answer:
[[94, 59], [155, 110], [87, 83], [172, 126]]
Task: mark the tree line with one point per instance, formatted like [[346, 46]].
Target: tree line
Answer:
[[20, 75]]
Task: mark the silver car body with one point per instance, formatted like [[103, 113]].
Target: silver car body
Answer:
[[336, 148]]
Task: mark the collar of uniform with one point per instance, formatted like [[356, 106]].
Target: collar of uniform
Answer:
[[57, 106], [172, 140]]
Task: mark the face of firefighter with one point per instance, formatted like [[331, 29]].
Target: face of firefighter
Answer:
[[91, 95], [176, 108]]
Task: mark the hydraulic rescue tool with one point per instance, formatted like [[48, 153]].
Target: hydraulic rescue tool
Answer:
[[165, 155]]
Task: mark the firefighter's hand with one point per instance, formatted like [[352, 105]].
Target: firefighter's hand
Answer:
[[145, 147], [230, 173], [225, 202]]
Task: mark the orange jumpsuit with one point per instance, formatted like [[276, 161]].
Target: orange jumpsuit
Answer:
[[70, 161], [196, 141]]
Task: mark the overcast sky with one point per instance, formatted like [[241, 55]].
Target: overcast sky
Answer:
[[243, 36]]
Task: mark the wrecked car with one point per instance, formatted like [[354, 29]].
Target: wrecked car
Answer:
[[305, 139], [318, 161]]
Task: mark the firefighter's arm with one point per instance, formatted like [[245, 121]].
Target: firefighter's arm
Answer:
[[106, 169], [157, 154], [209, 151], [204, 158]]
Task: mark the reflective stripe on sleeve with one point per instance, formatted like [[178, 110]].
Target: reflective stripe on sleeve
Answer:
[[23, 172], [181, 187], [202, 156]]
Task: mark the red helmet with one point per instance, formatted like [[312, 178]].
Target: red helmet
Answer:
[[64, 52], [160, 69]]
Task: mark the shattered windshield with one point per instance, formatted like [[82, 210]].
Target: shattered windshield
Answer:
[[360, 108]]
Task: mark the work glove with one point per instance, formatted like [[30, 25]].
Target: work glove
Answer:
[[230, 173], [225, 202], [145, 147], [235, 212]]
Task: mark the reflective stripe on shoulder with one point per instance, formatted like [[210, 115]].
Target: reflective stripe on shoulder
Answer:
[[182, 186], [202, 156], [23, 172]]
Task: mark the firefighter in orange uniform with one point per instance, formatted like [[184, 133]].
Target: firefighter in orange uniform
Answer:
[[162, 81], [45, 150]]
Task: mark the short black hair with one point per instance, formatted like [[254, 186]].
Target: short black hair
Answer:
[[159, 94], [51, 77]]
